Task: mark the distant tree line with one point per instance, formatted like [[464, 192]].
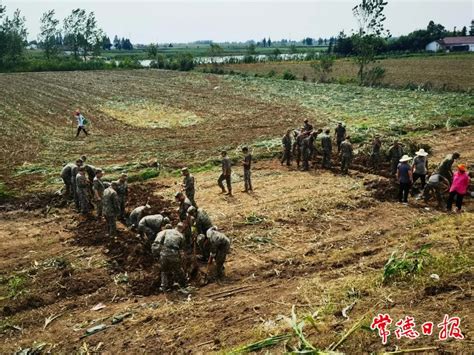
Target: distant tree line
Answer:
[[415, 41], [79, 35]]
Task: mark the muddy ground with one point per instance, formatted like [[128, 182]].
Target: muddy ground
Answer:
[[315, 240]]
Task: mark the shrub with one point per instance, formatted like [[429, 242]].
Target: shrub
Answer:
[[287, 75]]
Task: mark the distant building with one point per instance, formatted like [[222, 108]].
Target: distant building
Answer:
[[452, 44]]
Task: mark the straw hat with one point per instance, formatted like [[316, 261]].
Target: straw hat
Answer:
[[421, 153], [405, 158]]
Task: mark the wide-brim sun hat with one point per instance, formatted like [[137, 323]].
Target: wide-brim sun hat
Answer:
[[422, 153], [405, 158]]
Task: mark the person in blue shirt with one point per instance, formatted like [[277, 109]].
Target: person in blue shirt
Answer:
[[405, 178]]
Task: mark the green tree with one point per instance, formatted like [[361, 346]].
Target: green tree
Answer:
[[152, 51], [117, 44], [215, 50], [106, 44], [48, 34], [12, 38], [91, 40], [74, 28], [269, 42], [323, 67], [251, 49], [464, 31], [293, 49], [370, 18]]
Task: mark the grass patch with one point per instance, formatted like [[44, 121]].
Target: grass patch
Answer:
[[4, 192], [15, 286], [144, 175]]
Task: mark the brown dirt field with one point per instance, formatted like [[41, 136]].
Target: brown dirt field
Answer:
[[447, 72], [320, 244], [317, 241]]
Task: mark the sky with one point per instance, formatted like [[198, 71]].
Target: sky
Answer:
[[148, 21]]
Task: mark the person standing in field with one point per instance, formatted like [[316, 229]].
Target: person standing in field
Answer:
[[420, 167], [340, 133], [247, 164], [346, 155], [66, 173], [375, 154], [286, 143], [122, 191], [405, 178], [326, 145], [111, 208], [82, 190], [81, 123], [98, 190], [226, 174], [188, 185], [444, 168], [297, 146], [74, 172], [458, 190], [306, 151], [395, 153]]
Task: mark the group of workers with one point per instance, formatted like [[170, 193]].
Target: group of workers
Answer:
[[193, 235], [300, 144]]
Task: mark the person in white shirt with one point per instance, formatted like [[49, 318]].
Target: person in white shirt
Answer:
[[81, 124]]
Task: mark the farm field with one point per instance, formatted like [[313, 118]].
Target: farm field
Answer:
[[317, 241], [449, 72]]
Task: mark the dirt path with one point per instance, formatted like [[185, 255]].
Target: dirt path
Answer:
[[315, 240]]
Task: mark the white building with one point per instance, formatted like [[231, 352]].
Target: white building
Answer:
[[452, 44]]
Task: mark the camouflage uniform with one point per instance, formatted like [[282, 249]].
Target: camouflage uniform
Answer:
[[202, 222], [122, 192], [306, 151], [395, 154], [375, 154], [326, 144], [182, 211], [188, 183], [340, 136], [297, 148], [66, 176], [346, 155], [247, 172], [150, 225], [286, 142], [136, 215], [111, 209], [215, 245], [444, 169], [168, 246], [74, 172], [82, 192], [98, 186], [226, 174], [91, 171]]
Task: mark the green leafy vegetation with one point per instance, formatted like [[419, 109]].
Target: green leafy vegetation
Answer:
[[411, 263]]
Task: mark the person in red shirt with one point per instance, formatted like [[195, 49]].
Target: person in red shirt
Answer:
[[458, 188]]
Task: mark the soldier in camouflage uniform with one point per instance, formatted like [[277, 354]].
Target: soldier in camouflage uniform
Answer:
[[214, 246], [74, 172], [111, 208], [188, 185], [297, 146], [307, 127], [326, 144], [375, 154], [66, 173], [346, 155], [137, 214], [168, 246], [286, 143], [247, 164], [395, 153], [151, 225], [340, 133], [200, 219], [444, 168], [122, 191], [184, 204], [82, 191], [306, 152], [98, 190], [226, 174]]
